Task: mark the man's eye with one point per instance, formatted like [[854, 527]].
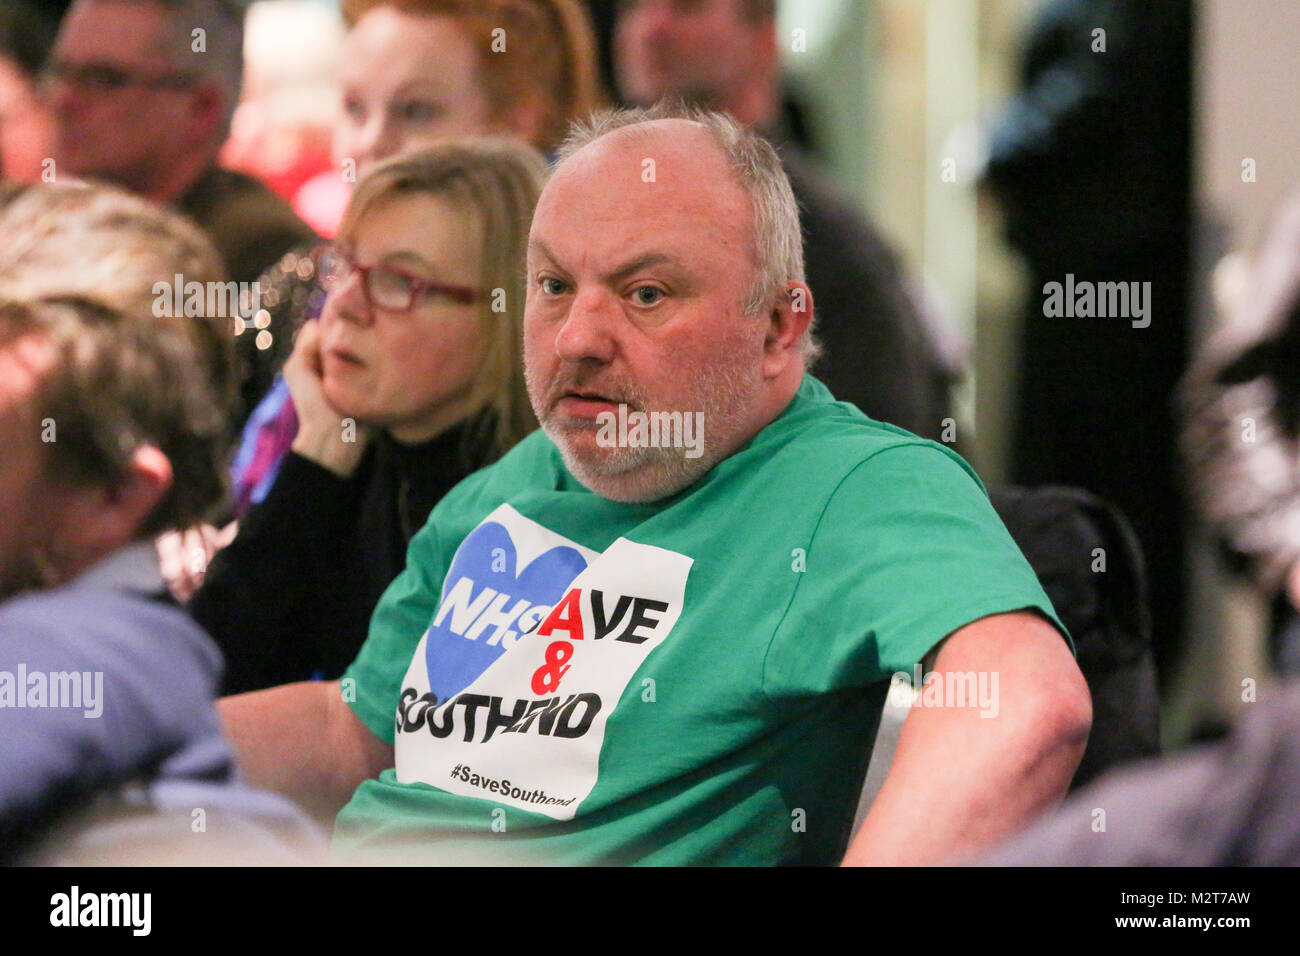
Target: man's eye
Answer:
[[418, 111], [106, 77], [552, 286], [648, 295]]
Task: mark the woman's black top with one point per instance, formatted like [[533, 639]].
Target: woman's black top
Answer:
[[290, 598]]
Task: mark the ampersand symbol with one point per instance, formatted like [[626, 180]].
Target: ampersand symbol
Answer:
[[546, 679]]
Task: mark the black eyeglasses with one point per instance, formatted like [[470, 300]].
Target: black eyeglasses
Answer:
[[100, 77], [386, 287]]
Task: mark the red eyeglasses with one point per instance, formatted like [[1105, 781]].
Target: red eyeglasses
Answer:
[[386, 287]]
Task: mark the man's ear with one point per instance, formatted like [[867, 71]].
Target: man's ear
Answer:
[[101, 520], [790, 316]]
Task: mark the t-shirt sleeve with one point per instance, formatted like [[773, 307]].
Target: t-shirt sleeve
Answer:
[[907, 550], [399, 621]]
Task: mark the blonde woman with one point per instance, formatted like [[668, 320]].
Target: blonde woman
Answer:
[[414, 72], [411, 379]]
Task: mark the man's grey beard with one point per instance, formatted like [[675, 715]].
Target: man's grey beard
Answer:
[[638, 475], [652, 473]]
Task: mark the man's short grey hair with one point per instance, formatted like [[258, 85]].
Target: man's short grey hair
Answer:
[[221, 60], [778, 240]]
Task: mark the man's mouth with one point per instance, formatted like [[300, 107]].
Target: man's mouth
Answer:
[[587, 403]]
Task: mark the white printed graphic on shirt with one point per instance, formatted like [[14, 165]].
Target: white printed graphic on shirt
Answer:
[[533, 645]]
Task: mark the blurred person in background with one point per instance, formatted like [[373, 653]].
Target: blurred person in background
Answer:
[[143, 92], [101, 242], [1231, 803], [282, 129], [411, 379], [522, 68], [113, 429], [1241, 431], [27, 32], [1090, 163], [413, 72], [880, 352]]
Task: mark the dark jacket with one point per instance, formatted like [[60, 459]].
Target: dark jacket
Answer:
[[1089, 159], [877, 353], [106, 694], [251, 226], [1231, 804]]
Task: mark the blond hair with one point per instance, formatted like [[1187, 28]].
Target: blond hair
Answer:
[[497, 181]]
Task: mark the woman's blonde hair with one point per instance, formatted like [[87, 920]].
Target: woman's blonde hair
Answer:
[[497, 181], [546, 54]]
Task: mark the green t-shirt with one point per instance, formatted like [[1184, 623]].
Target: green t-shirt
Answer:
[[571, 680]]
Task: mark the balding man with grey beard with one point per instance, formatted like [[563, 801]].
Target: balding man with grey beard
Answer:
[[624, 652]]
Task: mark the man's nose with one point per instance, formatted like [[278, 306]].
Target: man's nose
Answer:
[[589, 331]]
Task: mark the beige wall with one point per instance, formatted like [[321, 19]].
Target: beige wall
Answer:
[[1249, 105]]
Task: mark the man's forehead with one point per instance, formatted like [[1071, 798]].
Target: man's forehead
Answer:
[[668, 178], [116, 31], [680, 140]]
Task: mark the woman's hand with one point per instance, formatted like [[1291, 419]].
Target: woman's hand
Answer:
[[184, 556], [324, 436]]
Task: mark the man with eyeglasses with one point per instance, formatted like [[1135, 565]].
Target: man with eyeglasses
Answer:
[[143, 92]]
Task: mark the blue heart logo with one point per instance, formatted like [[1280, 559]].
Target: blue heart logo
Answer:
[[454, 661]]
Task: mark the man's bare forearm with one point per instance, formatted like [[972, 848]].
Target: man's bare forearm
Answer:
[[304, 741], [961, 781]]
